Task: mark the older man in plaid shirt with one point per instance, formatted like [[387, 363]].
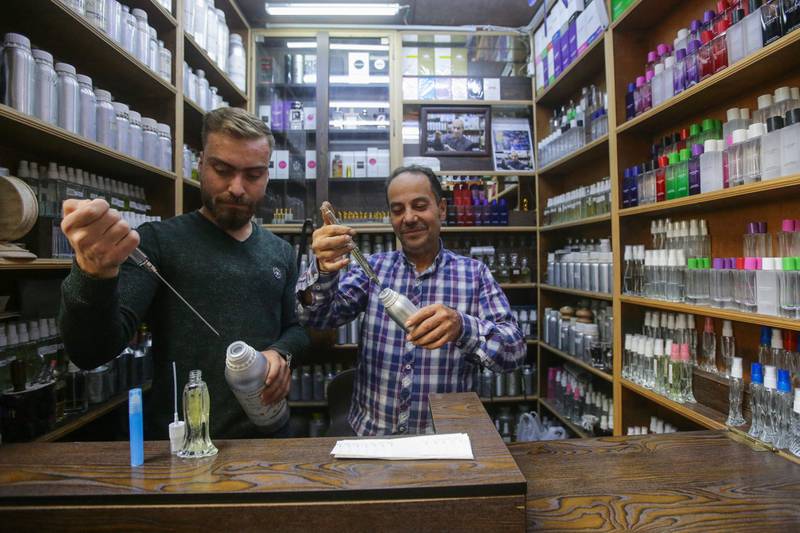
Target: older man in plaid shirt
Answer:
[[464, 319]]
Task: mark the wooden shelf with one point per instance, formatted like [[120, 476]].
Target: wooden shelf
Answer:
[[494, 103], [577, 223], [489, 229], [199, 59], [576, 292], [509, 399], [531, 342], [491, 173], [7, 315], [288, 229], [725, 314], [36, 264], [770, 62], [578, 73], [764, 190], [74, 422], [576, 160], [575, 361], [47, 22], [508, 286], [644, 14], [191, 183], [697, 413], [56, 144], [308, 403], [579, 431]]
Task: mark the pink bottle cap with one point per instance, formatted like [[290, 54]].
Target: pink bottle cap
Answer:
[[651, 56], [640, 82], [685, 352], [787, 225], [676, 353], [750, 263], [649, 75], [709, 325], [759, 263]]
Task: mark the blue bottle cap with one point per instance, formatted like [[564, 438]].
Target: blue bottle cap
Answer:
[[631, 87], [756, 373], [784, 381], [766, 335]]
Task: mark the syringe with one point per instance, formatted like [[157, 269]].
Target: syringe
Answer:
[[141, 260]]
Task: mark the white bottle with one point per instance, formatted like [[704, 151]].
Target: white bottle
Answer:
[[246, 371]]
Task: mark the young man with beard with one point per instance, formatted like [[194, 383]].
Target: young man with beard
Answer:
[[239, 276], [464, 319]]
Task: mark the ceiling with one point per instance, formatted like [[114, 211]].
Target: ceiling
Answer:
[[510, 13]]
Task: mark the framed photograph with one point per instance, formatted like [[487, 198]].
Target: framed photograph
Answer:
[[455, 131], [511, 140]]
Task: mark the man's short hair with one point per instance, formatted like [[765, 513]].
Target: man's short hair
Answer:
[[237, 123], [433, 179]]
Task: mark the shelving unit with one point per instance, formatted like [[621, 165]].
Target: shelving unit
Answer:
[[574, 428], [577, 362], [600, 219], [36, 264], [576, 292], [576, 160]]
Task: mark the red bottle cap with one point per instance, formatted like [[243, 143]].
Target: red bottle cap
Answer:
[[663, 161], [790, 341], [740, 263], [706, 37], [722, 6], [722, 25], [684, 134]]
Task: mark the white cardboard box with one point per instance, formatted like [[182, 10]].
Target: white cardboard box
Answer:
[[360, 164], [282, 164], [491, 89], [265, 114], [310, 118], [383, 163], [358, 67], [372, 163], [311, 164]]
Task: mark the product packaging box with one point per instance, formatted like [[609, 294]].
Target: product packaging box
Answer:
[[282, 164], [310, 118], [372, 163], [360, 164], [358, 67], [311, 164]]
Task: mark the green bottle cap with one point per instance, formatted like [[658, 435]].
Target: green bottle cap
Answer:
[[707, 263], [708, 124], [790, 263], [686, 155], [674, 158], [692, 263], [694, 130]]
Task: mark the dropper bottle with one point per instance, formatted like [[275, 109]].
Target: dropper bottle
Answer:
[[177, 428]]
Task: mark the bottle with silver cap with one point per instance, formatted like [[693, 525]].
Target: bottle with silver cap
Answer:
[[150, 144], [45, 99], [245, 371], [68, 97], [113, 20], [135, 138], [18, 73], [165, 146], [142, 41], [105, 119], [87, 114], [121, 126]]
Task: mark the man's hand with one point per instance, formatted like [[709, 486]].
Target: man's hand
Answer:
[[101, 239], [433, 326], [278, 378], [331, 244]]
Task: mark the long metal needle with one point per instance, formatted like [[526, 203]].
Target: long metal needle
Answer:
[[329, 217], [143, 261]]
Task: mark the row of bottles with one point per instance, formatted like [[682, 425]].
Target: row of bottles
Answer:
[[657, 427], [584, 202], [749, 147], [521, 381], [208, 28], [571, 393], [310, 383], [735, 31], [473, 204], [585, 332], [582, 265], [573, 126], [506, 421], [197, 89]]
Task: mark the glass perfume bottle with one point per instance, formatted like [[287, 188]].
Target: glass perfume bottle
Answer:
[[503, 272], [769, 405], [727, 346], [783, 410], [794, 446], [756, 399], [735, 391], [709, 363], [196, 410]]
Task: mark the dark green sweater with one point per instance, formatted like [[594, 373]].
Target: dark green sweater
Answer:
[[244, 289]]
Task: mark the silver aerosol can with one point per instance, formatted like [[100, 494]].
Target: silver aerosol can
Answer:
[[245, 371], [398, 306]]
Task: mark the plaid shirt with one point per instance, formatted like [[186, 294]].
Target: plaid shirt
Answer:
[[394, 377]]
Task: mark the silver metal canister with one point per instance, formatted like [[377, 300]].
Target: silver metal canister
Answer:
[[499, 384], [527, 380], [18, 73], [487, 379], [45, 100], [68, 97], [605, 277], [512, 382], [96, 383], [397, 306]]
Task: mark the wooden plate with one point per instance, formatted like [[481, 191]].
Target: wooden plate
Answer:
[[18, 209]]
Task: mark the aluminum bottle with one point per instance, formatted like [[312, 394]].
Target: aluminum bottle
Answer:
[[397, 306], [45, 99], [105, 117], [68, 97], [164, 146], [18, 73], [245, 371], [87, 111]]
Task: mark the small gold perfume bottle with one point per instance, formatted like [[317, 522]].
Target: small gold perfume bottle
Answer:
[[196, 408]]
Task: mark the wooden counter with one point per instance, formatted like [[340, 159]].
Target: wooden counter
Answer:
[[703, 480], [286, 485]]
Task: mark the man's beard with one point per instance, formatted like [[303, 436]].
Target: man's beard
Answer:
[[221, 208]]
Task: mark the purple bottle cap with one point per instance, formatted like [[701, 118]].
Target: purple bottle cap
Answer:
[[731, 263], [762, 227], [649, 76], [631, 87], [752, 227], [651, 56], [661, 49], [697, 150], [719, 263], [680, 55], [640, 82], [627, 173], [708, 17], [787, 225], [759, 263], [694, 27], [693, 46], [749, 263]]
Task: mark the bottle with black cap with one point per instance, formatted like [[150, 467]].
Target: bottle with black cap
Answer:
[[771, 149]]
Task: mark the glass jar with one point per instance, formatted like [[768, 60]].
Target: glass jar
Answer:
[[127, 31], [193, 93], [150, 150], [76, 399], [222, 40], [211, 30], [45, 98], [236, 61], [105, 118], [135, 147], [153, 58], [164, 62], [142, 41], [87, 114], [196, 413], [18, 73], [95, 13], [165, 146], [122, 126], [188, 16], [202, 90], [68, 97], [199, 22], [214, 99], [113, 20]]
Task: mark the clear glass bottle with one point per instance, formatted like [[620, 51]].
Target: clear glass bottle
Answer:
[[135, 144], [121, 126], [87, 114], [95, 13], [153, 58], [756, 400], [128, 30], [237, 61], [164, 62], [769, 405], [794, 446], [202, 90], [196, 413], [68, 97], [223, 40], [709, 360], [783, 410], [142, 41], [735, 392], [503, 271], [45, 100], [727, 347]]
